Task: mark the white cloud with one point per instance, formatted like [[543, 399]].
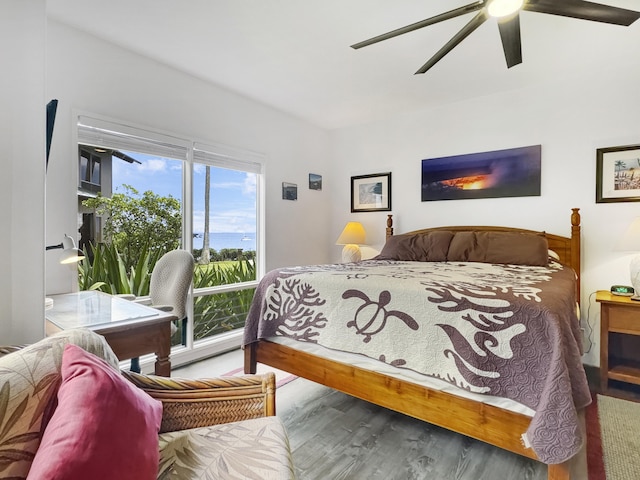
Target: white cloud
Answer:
[[153, 165], [249, 183], [238, 220], [227, 185]]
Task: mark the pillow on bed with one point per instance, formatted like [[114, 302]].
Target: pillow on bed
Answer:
[[417, 247], [499, 247]]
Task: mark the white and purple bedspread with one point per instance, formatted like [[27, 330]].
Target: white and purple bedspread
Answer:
[[504, 330]]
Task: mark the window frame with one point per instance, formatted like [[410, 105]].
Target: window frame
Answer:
[[86, 181], [223, 156], [97, 130]]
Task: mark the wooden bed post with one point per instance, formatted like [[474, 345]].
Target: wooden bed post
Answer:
[[575, 245], [389, 226], [250, 358], [559, 471]]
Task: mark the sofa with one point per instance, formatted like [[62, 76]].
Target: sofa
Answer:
[[67, 411]]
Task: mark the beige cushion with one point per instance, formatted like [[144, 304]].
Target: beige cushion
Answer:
[[29, 380], [252, 449]]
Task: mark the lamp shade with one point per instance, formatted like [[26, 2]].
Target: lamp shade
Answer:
[[352, 236], [70, 253], [630, 241], [71, 256], [353, 233]]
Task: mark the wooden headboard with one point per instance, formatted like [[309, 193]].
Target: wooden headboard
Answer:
[[567, 248]]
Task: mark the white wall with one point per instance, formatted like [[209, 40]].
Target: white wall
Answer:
[[22, 164], [90, 75], [570, 118]]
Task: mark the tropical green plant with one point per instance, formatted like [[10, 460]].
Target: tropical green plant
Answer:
[[136, 223], [107, 271], [216, 313], [223, 254], [222, 312]]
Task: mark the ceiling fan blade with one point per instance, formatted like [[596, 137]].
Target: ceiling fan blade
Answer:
[[511, 40], [596, 12], [475, 22], [472, 7]]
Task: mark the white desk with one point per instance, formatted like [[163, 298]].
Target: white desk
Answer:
[[130, 329]]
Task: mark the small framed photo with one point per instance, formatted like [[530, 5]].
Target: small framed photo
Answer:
[[315, 181], [289, 191], [371, 193], [618, 174]]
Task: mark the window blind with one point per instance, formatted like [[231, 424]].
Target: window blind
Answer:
[[102, 133], [227, 157]]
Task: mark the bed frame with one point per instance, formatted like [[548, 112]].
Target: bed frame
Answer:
[[483, 422]]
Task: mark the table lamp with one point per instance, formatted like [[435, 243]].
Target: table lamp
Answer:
[[352, 236], [70, 254], [631, 242]]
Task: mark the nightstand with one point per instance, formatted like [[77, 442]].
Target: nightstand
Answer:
[[619, 339]]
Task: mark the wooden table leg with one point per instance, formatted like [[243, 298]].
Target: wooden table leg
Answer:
[[604, 348], [140, 339], [163, 362]]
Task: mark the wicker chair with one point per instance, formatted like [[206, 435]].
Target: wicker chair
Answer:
[[211, 428], [227, 423], [200, 403]]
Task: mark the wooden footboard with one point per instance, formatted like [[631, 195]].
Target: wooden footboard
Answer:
[[489, 424]]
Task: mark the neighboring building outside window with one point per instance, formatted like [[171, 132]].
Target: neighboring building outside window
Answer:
[[89, 170]]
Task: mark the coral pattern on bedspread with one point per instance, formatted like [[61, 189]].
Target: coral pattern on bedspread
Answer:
[[505, 330]]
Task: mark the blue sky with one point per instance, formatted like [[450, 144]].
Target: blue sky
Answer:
[[233, 193]]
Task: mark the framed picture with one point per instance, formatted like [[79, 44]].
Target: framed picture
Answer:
[[514, 172], [371, 193], [618, 174], [315, 182], [289, 191]]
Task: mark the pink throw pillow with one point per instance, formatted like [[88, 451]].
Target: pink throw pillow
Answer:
[[103, 428]]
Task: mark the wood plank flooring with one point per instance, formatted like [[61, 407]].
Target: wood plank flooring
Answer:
[[337, 437]]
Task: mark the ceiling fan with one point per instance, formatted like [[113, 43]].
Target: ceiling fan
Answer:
[[508, 14]]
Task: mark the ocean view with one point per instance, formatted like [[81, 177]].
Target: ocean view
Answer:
[[220, 240]]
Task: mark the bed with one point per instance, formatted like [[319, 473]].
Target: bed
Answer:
[[475, 334]]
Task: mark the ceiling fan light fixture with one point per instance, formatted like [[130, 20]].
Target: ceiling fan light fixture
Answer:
[[504, 8], [508, 23]]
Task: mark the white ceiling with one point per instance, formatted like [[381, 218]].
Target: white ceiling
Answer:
[[294, 55]]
